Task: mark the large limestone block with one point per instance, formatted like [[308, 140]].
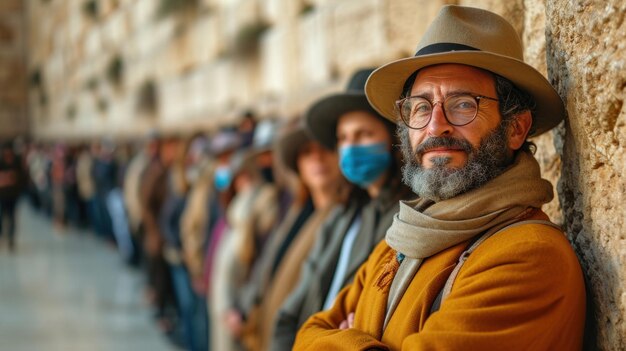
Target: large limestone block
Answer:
[[143, 14], [223, 93], [11, 35], [512, 10], [279, 61], [116, 29], [587, 60], [314, 47], [236, 14], [280, 11], [358, 34], [406, 22], [11, 6], [206, 39]]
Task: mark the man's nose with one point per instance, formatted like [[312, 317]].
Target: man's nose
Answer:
[[438, 124]]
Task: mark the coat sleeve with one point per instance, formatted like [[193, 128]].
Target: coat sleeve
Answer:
[[194, 224], [526, 295], [321, 331], [289, 316]]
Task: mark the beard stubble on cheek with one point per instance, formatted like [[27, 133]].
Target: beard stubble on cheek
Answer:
[[441, 181]]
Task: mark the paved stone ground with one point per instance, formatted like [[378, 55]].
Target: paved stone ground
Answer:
[[70, 291]]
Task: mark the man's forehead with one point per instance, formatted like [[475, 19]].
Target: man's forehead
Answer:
[[462, 77]]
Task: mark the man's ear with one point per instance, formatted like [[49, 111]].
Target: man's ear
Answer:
[[519, 129]]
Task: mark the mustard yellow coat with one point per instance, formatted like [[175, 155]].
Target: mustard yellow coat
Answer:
[[522, 289]]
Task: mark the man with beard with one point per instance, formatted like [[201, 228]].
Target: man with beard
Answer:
[[473, 263]]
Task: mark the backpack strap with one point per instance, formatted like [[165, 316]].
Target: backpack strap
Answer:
[[447, 288]]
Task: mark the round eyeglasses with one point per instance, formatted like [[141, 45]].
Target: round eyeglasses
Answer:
[[458, 109]]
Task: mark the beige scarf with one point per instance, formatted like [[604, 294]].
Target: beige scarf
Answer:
[[422, 228]]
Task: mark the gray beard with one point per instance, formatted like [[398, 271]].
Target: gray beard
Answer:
[[441, 182]]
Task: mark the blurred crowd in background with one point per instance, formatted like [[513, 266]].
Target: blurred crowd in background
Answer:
[[242, 233]]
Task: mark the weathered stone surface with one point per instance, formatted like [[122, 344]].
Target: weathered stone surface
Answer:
[[358, 34], [406, 22], [11, 6], [278, 62], [13, 77], [314, 62], [512, 10], [587, 60]]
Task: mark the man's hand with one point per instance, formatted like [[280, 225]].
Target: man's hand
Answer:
[[348, 323]]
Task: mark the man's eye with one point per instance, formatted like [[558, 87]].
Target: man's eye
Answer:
[[421, 108]]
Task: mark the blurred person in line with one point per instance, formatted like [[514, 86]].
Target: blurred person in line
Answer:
[[12, 182], [32, 153], [180, 177], [57, 182], [198, 215], [85, 182], [116, 207], [104, 173], [473, 263], [70, 188], [132, 195], [368, 159], [326, 190], [246, 128], [152, 194], [250, 216], [273, 172], [223, 145]]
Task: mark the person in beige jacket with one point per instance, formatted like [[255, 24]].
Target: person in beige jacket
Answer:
[[317, 168]]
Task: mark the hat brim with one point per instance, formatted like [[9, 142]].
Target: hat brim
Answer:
[[384, 86], [289, 146], [321, 118]]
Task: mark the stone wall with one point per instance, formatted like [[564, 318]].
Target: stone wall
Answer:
[[13, 80], [205, 66], [586, 45]]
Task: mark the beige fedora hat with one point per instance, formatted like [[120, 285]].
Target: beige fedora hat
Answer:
[[473, 37]]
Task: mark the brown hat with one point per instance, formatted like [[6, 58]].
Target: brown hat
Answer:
[[289, 143], [472, 37]]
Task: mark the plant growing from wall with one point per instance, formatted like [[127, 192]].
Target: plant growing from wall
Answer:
[[176, 7], [248, 38], [103, 105], [92, 84], [147, 97], [43, 98], [70, 112], [36, 78], [306, 9], [91, 8], [115, 70]]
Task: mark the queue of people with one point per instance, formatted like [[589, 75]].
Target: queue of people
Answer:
[[401, 213]]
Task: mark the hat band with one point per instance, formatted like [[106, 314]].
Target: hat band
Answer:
[[443, 47]]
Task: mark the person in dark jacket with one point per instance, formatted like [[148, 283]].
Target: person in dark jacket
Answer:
[[12, 181], [367, 158]]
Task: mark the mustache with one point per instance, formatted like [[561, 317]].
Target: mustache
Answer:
[[436, 142]]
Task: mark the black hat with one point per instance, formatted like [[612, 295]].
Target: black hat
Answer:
[[321, 118]]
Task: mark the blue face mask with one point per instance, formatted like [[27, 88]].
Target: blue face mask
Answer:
[[222, 178], [363, 164]]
